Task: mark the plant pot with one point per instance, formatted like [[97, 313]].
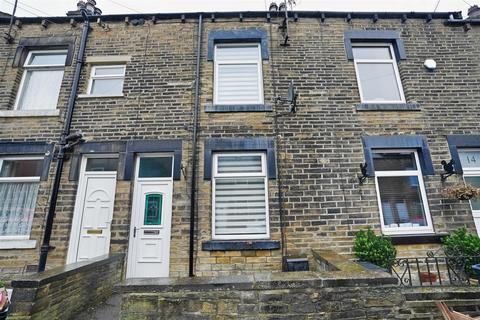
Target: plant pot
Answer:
[[464, 197], [476, 269], [428, 277], [4, 313]]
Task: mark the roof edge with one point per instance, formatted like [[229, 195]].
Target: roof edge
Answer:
[[254, 14]]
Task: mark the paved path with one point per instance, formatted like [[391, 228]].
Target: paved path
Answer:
[[109, 310]]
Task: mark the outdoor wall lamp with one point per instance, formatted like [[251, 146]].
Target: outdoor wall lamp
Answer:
[[448, 169]]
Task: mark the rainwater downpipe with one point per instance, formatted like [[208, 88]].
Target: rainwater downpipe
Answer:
[[193, 203], [45, 248]]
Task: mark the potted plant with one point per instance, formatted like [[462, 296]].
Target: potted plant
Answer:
[[4, 303], [463, 249], [373, 249], [462, 192]]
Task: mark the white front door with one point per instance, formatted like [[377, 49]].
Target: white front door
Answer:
[[149, 245], [90, 234]]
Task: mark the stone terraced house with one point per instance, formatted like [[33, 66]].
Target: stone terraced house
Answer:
[[228, 143]]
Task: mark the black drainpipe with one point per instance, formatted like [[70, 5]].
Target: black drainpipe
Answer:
[[62, 149], [194, 150]]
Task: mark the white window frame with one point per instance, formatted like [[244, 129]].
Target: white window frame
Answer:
[[404, 173], [392, 61], [471, 172], [18, 179], [217, 175], [257, 61], [105, 77], [29, 68]]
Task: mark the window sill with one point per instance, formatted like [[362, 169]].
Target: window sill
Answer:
[[388, 107], [238, 245], [29, 113], [417, 238], [94, 96], [238, 108], [18, 244]]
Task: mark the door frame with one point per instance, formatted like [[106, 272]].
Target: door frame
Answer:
[[136, 181], [80, 200]]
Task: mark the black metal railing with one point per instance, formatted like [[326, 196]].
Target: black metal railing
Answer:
[[436, 271]]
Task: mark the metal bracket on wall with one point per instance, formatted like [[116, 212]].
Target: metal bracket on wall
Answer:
[[364, 176], [448, 168]]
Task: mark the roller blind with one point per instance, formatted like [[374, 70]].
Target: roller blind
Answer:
[[238, 75], [240, 202]]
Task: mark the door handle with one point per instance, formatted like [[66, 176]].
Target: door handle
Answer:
[[134, 232]]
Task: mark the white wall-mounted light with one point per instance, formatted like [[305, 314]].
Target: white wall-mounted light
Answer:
[[430, 64]]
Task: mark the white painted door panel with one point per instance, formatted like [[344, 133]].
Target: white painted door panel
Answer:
[[150, 230], [98, 195]]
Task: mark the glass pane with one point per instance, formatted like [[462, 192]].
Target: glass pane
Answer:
[[17, 206], [107, 86], [235, 53], [109, 71], [41, 89], [394, 161], [378, 82], [102, 164], [470, 159], [21, 168], [153, 209], [158, 167], [371, 53], [474, 181], [45, 58], [239, 164], [240, 206], [402, 204]]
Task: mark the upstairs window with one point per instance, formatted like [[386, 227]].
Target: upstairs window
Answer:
[[377, 73], [106, 80], [19, 180], [238, 74], [401, 192], [41, 81], [240, 196]]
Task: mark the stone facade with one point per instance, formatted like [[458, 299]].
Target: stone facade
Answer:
[[318, 148]]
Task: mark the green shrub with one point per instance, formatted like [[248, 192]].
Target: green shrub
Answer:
[[461, 243], [2, 284], [375, 249]]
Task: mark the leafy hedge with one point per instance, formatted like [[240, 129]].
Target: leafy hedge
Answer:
[[375, 249], [461, 243]]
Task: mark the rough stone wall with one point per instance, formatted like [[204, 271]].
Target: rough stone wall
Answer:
[[319, 147], [283, 302], [62, 294]]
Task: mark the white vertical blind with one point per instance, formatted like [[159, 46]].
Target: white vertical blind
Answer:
[[238, 75], [240, 202]]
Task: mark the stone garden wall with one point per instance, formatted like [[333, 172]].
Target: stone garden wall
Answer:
[[301, 295], [63, 292]]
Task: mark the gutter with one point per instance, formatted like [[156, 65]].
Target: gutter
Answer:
[[193, 186], [250, 14], [65, 144], [461, 22]]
